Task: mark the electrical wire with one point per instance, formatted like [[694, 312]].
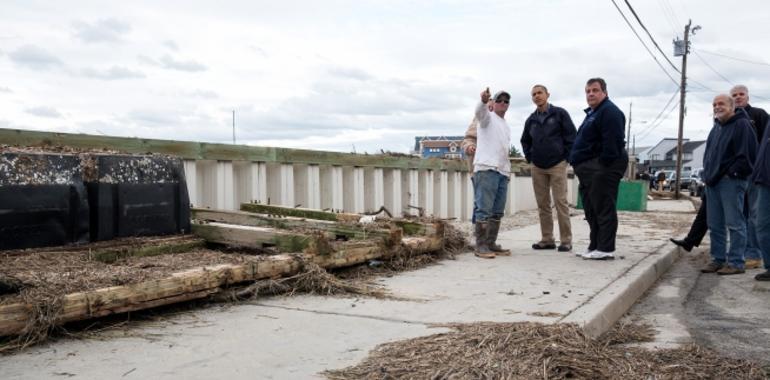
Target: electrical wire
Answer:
[[668, 103], [660, 122], [734, 58], [713, 69], [643, 44], [650, 35], [668, 17]]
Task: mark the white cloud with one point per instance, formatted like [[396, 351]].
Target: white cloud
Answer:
[[5, 89], [43, 111], [113, 73], [170, 62], [104, 30], [171, 45], [34, 57]]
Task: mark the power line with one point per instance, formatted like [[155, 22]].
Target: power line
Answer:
[[661, 121], [650, 35], [734, 58], [668, 17], [643, 44], [713, 69], [643, 130]]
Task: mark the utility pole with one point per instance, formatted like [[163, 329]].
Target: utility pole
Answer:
[[233, 127], [682, 91]]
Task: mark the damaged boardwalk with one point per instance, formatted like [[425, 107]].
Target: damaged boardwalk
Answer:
[[301, 336]]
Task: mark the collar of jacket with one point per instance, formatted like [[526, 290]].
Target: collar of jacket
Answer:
[[602, 104], [546, 112], [740, 113]]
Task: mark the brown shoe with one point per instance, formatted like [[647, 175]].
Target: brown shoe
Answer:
[[713, 267], [485, 255], [728, 270], [753, 263]]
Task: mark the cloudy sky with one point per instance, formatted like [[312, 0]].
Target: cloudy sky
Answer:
[[359, 75]]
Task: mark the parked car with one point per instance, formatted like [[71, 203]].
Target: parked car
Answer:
[[697, 187], [684, 183]]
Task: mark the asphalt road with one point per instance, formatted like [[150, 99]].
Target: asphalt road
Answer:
[[729, 314]]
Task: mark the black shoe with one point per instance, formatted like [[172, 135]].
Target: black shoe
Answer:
[[541, 245], [682, 243], [564, 248], [763, 276]]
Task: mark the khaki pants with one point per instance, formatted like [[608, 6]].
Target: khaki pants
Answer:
[[546, 182]]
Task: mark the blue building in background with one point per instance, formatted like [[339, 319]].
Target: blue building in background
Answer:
[[438, 146]]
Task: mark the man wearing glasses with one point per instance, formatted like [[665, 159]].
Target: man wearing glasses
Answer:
[[600, 159], [491, 172]]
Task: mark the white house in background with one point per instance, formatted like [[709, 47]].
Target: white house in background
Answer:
[[656, 156], [662, 156], [640, 152], [692, 155]]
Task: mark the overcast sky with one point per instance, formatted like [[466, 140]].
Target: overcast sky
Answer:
[[365, 74]]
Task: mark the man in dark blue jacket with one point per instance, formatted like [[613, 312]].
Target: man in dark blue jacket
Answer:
[[758, 118], [761, 179], [599, 158], [728, 162], [546, 141]]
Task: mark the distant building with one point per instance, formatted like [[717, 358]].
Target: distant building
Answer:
[[438, 146], [663, 155]]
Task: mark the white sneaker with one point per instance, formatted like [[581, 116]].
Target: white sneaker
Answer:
[[583, 254], [599, 255]]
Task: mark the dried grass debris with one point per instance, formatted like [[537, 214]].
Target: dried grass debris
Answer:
[[528, 350]]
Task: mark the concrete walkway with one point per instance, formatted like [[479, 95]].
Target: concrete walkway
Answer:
[[298, 337]]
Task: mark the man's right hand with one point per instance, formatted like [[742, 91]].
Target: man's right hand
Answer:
[[485, 95], [470, 149]]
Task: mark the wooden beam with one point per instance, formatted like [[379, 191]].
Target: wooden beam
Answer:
[[197, 283], [154, 247], [300, 213], [254, 237], [288, 223]]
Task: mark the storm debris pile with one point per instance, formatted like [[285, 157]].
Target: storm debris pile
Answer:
[[528, 350]]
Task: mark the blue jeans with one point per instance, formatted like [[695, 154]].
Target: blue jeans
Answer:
[[752, 245], [725, 213], [489, 195], [763, 222]]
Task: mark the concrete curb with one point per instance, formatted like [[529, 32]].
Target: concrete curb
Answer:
[[600, 313]]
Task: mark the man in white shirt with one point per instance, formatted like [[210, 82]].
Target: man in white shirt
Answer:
[[491, 171]]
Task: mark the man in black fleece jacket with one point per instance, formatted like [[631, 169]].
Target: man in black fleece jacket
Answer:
[[730, 151], [546, 141], [599, 158]]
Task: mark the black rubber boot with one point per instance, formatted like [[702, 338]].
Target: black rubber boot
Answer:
[[482, 249], [494, 229]]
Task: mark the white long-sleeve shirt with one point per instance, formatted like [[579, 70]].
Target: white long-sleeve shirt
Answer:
[[493, 142]]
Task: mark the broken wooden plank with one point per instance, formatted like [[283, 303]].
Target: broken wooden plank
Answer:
[[198, 283], [176, 244], [244, 218], [300, 212], [254, 237]]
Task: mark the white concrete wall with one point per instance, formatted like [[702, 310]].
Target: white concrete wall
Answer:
[[440, 193]]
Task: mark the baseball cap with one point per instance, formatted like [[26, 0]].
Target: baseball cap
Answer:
[[501, 94]]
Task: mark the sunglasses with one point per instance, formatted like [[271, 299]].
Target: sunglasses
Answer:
[[503, 101]]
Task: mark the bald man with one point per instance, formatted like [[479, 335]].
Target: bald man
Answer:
[[728, 162]]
